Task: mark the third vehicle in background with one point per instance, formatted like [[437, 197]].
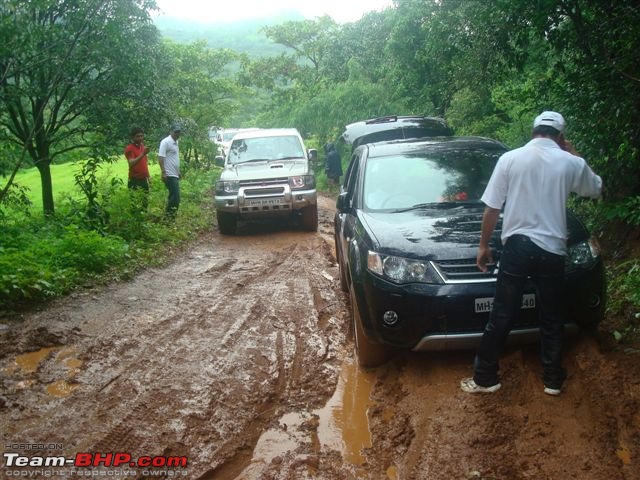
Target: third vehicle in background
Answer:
[[224, 137], [394, 127]]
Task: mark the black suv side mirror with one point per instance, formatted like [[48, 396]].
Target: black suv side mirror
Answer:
[[219, 161], [342, 203]]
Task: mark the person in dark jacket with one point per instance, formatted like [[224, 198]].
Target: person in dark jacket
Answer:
[[333, 164]]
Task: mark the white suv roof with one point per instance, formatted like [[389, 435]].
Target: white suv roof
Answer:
[[267, 132]]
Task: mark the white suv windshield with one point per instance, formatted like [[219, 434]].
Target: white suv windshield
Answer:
[[265, 148]]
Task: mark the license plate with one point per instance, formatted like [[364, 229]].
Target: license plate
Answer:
[[266, 201], [484, 305]]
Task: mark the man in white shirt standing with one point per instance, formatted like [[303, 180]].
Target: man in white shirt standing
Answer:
[[532, 183], [169, 160]]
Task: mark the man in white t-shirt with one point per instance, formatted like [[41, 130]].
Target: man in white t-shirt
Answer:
[[169, 160], [532, 183]]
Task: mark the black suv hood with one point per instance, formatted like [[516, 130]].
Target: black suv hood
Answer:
[[434, 233], [441, 233]]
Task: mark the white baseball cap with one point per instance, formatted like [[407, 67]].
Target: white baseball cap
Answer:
[[550, 119]]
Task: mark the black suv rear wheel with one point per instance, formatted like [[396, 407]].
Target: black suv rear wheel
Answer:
[[344, 283]]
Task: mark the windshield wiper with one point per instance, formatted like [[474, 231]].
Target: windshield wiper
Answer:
[[252, 160], [433, 205]]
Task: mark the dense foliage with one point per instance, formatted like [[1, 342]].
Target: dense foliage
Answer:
[[488, 67], [42, 258]]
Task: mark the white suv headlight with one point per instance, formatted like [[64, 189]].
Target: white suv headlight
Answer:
[[302, 181], [401, 270], [227, 187]]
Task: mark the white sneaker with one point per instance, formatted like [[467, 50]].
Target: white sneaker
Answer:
[[552, 391], [470, 386]]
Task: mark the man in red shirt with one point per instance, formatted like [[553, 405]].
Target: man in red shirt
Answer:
[[136, 155]]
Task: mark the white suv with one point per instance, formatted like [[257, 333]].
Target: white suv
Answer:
[[266, 173]]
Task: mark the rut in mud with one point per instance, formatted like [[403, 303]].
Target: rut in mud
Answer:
[[238, 356]]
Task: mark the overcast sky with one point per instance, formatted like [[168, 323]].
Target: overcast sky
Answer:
[[232, 10]]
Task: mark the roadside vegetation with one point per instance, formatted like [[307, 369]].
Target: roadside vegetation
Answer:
[[45, 257], [486, 67]]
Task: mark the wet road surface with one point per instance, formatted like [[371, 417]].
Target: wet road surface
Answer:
[[238, 357]]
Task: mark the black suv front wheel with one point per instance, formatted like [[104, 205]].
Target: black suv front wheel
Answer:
[[369, 354]]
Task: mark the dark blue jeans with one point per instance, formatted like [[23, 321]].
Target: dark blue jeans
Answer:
[[173, 185], [521, 258]]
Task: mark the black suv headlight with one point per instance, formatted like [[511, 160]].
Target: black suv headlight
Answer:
[[225, 187], [582, 255], [301, 182], [401, 270]]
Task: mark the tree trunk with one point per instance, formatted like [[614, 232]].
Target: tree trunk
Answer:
[[44, 167]]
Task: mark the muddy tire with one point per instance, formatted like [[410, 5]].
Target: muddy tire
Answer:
[[368, 354], [310, 218], [227, 222], [344, 284]]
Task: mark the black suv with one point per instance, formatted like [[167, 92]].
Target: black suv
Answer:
[[407, 230], [394, 128]]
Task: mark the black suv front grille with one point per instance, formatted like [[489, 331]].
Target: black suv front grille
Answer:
[[464, 270]]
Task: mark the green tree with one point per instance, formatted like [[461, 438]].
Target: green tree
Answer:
[[333, 76], [203, 92], [364, 42], [75, 74], [437, 48], [596, 79], [311, 41], [325, 114]]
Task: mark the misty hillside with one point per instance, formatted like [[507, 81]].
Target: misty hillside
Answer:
[[241, 36]]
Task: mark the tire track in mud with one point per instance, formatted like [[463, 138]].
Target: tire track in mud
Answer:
[[291, 351], [433, 430], [228, 342], [252, 307], [163, 353], [195, 359]]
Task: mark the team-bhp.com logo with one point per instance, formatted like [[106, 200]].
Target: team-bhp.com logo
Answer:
[[116, 460]]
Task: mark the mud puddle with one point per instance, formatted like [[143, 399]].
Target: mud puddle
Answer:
[[341, 426]]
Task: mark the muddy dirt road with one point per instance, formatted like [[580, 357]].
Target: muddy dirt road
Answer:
[[238, 357]]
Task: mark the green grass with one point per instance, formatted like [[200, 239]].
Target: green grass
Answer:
[[62, 179]]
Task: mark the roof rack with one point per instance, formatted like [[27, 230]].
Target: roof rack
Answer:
[[387, 119]]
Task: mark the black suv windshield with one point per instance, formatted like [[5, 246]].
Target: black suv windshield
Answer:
[[265, 148], [400, 182]]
